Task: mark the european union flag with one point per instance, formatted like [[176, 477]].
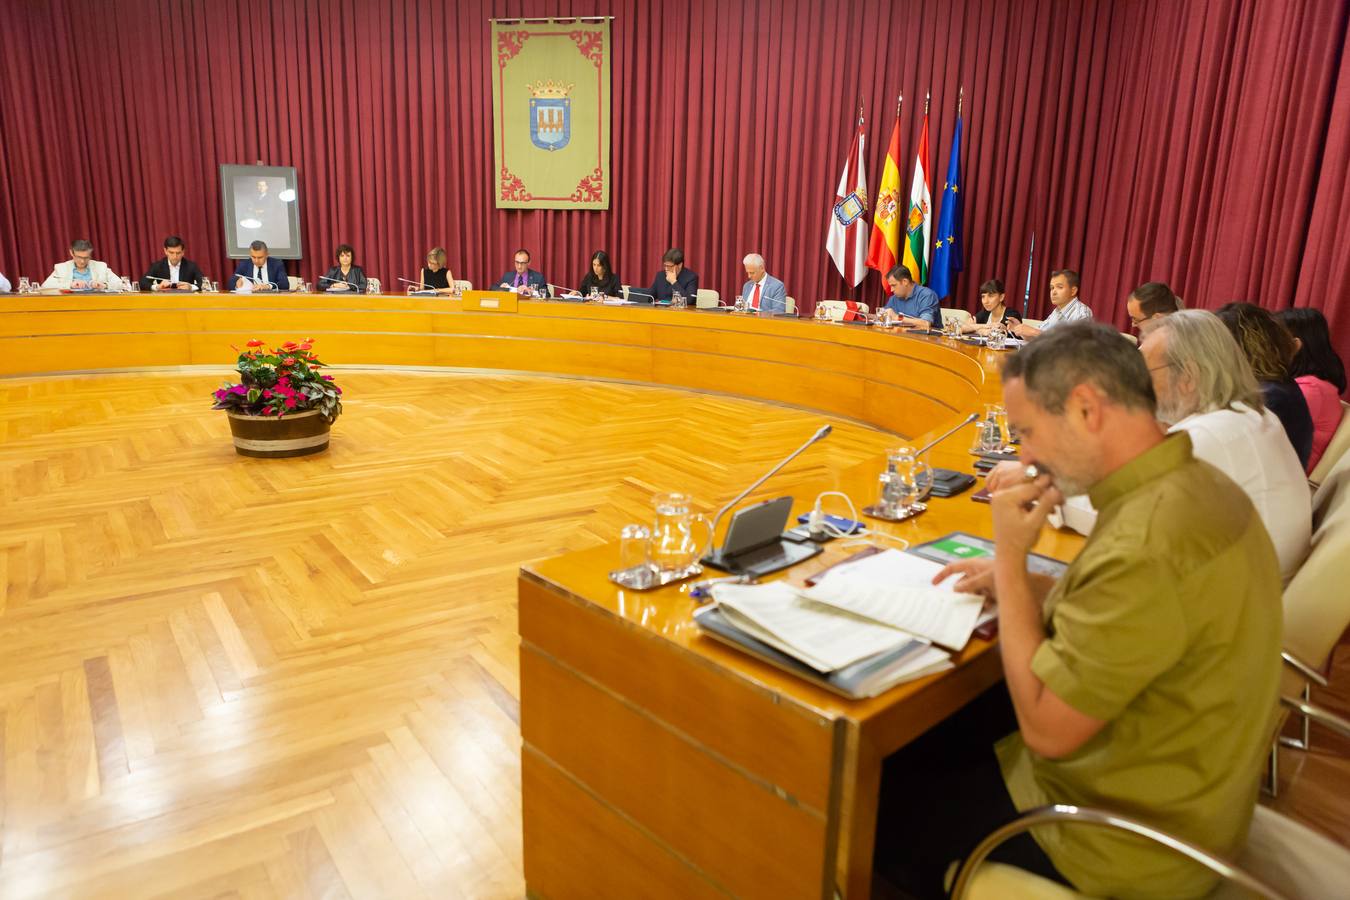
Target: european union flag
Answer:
[[947, 252]]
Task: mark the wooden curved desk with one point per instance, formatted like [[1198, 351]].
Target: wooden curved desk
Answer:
[[656, 762], [907, 385]]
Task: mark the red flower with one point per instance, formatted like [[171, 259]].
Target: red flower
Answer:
[[255, 343], [290, 402], [267, 410], [290, 360], [267, 395], [306, 345]]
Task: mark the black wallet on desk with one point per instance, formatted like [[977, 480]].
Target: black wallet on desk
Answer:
[[949, 482]]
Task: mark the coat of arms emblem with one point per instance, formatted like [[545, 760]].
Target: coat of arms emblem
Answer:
[[550, 114]]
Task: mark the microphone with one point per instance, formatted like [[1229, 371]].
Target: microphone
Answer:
[[351, 286], [818, 436], [946, 434]]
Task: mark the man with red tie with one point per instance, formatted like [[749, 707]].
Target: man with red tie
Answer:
[[762, 292]]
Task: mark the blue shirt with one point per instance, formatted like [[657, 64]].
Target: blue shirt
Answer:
[[922, 303], [85, 278]]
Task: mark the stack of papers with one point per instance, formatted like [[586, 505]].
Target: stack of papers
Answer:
[[863, 627]]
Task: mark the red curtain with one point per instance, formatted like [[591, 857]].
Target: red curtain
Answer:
[[1203, 143]]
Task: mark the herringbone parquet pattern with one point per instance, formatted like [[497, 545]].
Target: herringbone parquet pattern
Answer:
[[224, 677]]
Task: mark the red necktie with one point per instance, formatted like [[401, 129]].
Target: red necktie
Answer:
[[754, 301]]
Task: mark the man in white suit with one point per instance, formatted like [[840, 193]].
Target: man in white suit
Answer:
[[762, 291], [82, 272]]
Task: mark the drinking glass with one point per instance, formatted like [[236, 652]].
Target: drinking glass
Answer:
[[24, 286], [997, 338], [739, 305], [906, 480], [994, 429], [674, 549]]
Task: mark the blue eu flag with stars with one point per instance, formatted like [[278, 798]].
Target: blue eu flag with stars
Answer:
[[947, 252]]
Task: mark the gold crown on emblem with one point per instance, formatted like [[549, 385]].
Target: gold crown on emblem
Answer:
[[549, 89]]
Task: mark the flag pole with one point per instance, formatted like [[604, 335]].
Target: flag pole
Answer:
[[926, 97], [960, 100]]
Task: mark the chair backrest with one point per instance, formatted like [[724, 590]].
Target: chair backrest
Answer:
[[1336, 450], [462, 284], [707, 298], [1317, 601], [791, 306], [958, 316], [373, 285], [1034, 323]]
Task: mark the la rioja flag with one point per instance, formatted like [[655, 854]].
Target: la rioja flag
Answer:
[[918, 223], [846, 240]]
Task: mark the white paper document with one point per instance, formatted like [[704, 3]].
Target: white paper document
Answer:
[[820, 636], [896, 589]]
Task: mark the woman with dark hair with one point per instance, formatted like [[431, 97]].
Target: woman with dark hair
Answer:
[[601, 277], [344, 276], [1270, 348], [992, 311], [1319, 373], [435, 276]]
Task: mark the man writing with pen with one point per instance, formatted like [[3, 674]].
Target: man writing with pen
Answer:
[[1142, 681]]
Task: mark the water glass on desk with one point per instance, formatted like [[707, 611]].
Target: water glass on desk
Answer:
[[24, 285], [739, 305]]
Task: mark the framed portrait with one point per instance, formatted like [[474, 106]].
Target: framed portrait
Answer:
[[261, 203]]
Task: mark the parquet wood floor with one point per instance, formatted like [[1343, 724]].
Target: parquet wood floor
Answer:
[[226, 677]]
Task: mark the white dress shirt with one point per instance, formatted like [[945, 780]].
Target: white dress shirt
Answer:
[[4, 284], [1072, 311], [1254, 451]]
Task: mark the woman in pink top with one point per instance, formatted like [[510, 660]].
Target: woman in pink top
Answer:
[[1319, 373]]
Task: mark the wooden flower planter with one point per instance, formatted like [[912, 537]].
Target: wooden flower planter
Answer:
[[267, 437]]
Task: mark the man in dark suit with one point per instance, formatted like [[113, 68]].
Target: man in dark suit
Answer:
[[260, 272], [522, 276], [173, 272], [673, 277]]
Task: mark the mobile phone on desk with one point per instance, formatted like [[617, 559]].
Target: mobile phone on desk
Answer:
[[847, 526], [982, 496]]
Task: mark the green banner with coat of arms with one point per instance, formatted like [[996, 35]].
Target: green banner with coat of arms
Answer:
[[550, 114]]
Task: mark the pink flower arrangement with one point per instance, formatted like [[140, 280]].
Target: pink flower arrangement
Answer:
[[280, 380]]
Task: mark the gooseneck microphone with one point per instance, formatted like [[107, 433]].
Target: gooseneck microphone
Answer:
[[946, 434], [818, 436], [351, 285]]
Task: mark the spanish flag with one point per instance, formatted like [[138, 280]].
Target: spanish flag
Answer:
[[918, 224], [884, 248]]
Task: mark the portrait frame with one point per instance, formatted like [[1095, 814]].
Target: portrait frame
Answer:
[[252, 213]]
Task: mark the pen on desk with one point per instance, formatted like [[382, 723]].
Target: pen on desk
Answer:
[[701, 590]]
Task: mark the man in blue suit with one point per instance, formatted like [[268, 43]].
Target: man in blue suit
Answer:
[[260, 272], [917, 305], [761, 290], [522, 276]]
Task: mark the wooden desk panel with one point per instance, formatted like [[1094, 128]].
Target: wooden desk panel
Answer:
[[901, 383]]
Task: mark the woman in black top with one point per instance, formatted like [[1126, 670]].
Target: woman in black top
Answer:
[[601, 277], [1269, 347], [992, 311], [344, 276], [435, 276]]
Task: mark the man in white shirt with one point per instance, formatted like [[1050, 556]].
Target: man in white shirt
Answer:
[[1206, 388], [1068, 308], [761, 291], [82, 272], [4, 284]]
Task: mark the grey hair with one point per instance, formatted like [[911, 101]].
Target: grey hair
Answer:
[[1059, 360], [1201, 350], [753, 259]]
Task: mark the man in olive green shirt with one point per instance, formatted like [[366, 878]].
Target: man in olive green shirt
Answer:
[[1145, 680]]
